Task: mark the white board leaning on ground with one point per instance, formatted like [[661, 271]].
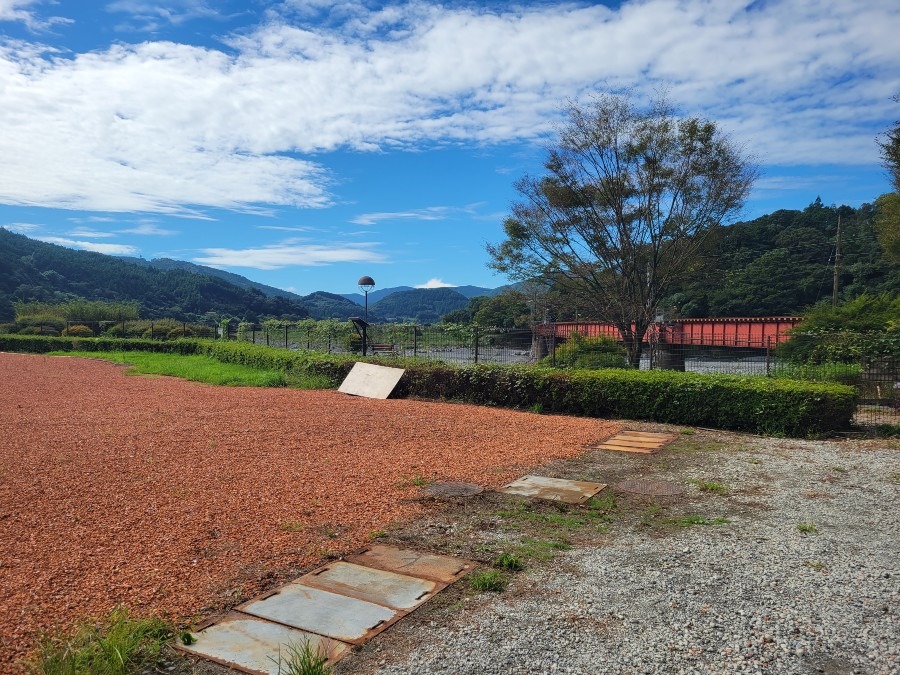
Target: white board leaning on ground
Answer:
[[371, 381]]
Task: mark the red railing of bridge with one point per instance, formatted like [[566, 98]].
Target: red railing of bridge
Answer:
[[725, 332]]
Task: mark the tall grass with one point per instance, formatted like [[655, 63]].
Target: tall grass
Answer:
[[117, 645]]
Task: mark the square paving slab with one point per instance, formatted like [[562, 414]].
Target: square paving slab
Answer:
[[371, 381], [253, 645], [555, 489], [397, 591], [442, 568], [337, 616]]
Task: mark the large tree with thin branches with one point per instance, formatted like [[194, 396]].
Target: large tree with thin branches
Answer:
[[628, 195]]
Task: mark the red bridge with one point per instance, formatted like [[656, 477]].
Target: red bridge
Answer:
[[733, 332]]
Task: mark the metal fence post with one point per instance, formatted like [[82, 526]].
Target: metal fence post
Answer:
[[308, 333], [553, 347], [415, 332], [768, 353], [285, 336], [476, 331]]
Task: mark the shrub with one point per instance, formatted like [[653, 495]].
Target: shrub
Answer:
[[588, 353], [180, 332], [758, 404], [78, 331], [8, 328]]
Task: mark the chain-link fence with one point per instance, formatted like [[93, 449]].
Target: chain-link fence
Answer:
[[871, 364]]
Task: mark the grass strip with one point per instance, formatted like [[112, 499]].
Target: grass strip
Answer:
[[196, 368]]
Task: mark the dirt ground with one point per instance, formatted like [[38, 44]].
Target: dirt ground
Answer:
[[184, 499]]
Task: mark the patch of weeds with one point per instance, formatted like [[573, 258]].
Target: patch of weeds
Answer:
[[302, 659], [649, 514], [292, 525], [187, 638], [837, 469], [525, 513], [378, 534], [541, 549], [537, 408], [894, 478], [690, 521], [807, 528], [117, 645], [488, 581], [815, 565], [601, 508], [509, 562], [692, 446], [414, 480], [711, 486], [686, 432], [754, 461]]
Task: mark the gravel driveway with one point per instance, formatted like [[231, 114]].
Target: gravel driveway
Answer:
[[754, 594]]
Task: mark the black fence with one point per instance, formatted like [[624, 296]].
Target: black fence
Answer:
[[875, 373]]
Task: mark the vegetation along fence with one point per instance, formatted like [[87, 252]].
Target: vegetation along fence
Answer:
[[871, 363]]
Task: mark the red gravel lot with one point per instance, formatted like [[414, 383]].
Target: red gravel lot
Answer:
[[173, 497]]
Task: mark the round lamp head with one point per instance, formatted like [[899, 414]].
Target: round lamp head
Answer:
[[366, 284]]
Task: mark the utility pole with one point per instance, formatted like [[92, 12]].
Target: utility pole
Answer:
[[837, 264]]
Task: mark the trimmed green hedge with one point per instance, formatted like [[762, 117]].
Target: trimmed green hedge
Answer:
[[758, 404]]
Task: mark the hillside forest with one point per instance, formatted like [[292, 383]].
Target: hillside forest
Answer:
[[779, 264]]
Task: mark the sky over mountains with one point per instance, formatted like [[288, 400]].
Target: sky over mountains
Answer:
[[305, 143]]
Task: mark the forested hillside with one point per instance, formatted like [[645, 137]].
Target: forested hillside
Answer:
[[35, 271], [232, 278], [322, 305], [421, 305], [783, 262]]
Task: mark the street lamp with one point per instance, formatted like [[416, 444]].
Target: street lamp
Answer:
[[366, 284]]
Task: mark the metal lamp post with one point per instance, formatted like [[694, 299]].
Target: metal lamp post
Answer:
[[366, 284]]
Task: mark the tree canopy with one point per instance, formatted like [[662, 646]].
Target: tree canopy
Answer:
[[617, 219]]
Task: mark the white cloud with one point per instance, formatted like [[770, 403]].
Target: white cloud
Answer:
[[108, 249], [430, 213], [148, 229], [169, 128], [17, 10], [21, 228], [436, 283], [91, 234], [151, 16], [289, 254], [282, 228]]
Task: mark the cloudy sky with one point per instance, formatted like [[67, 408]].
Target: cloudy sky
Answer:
[[304, 143]]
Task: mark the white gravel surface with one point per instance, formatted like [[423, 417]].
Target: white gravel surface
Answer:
[[755, 595]]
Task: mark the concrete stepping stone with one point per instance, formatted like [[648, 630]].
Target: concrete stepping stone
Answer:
[[440, 568], [337, 616], [554, 489], [332, 608], [253, 645], [389, 589]]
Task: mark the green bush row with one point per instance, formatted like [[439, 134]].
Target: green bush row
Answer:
[[757, 404]]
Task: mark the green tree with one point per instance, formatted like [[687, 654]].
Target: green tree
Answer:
[[507, 310], [890, 151], [629, 195], [887, 225]]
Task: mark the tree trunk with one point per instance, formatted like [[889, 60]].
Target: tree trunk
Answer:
[[634, 343]]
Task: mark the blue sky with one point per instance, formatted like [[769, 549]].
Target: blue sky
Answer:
[[304, 143]]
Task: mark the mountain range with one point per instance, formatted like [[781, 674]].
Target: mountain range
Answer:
[[777, 264], [35, 271]]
